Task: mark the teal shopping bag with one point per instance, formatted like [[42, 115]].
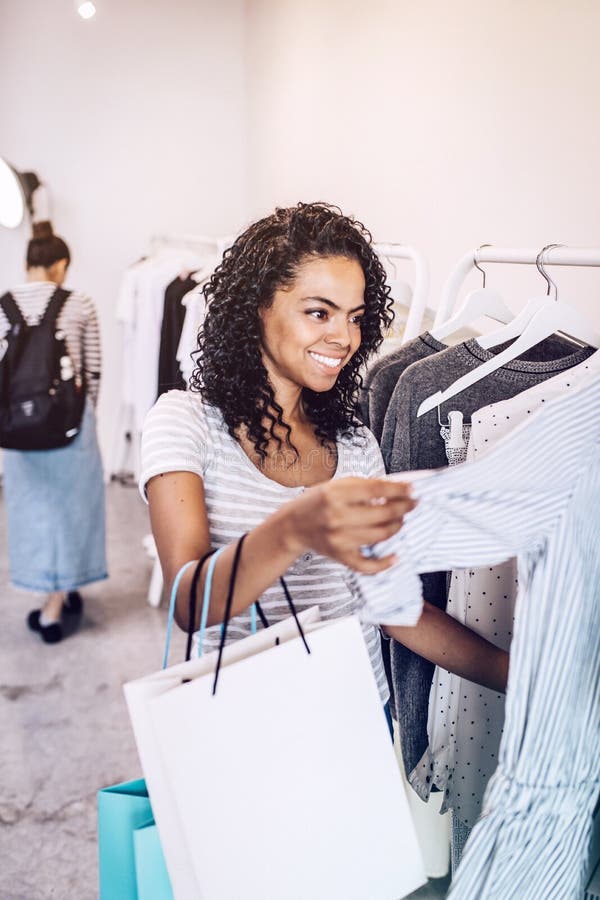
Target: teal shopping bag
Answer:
[[123, 808], [150, 868]]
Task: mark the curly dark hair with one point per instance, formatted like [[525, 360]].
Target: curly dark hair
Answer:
[[229, 369]]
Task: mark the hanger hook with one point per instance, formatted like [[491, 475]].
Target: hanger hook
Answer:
[[540, 267], [391, 260], [476, 264]]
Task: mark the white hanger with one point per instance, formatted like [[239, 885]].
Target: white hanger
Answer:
[[480, 302], [518, 324], [515, 327], [553, 316]]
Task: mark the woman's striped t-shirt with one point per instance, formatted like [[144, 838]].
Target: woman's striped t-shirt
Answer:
[[182, 433]]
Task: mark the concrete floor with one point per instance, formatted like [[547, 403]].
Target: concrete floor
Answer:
[[64, 729]]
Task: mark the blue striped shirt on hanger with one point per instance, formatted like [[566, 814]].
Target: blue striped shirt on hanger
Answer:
[[535, 495]]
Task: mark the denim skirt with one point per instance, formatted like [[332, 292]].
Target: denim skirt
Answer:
[[55, 509]]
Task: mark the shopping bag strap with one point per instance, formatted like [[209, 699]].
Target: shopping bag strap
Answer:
[[263, 619], [229, 604], [194, 593], [255, 609], [173, 600], [206, 599], [292, 607]]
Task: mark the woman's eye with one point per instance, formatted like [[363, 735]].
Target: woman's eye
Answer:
[[357, 320], [319, 314]]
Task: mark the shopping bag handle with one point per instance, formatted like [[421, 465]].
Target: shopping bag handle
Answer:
[[173, 599], [193, 594], [206, 599], [256, 607], [229, 604]]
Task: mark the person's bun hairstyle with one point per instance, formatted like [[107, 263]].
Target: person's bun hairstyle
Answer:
[[45, 248], [42, 231]]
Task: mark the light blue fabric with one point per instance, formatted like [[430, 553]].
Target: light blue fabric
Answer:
[[55, 510]]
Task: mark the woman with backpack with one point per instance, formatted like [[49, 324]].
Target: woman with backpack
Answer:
[[55, 494]]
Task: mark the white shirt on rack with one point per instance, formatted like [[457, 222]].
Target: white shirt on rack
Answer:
[[195, 307], [140, 309]]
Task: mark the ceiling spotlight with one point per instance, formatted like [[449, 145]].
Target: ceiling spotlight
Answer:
[[16, 194], [86, 10]]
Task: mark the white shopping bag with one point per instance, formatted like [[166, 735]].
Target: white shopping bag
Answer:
[[140, 692], [284, 784]]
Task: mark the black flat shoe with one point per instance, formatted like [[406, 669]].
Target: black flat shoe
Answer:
[[73, 605], [50, 634]]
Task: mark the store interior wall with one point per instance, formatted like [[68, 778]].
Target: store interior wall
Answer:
[[135, 120], [439, 125]]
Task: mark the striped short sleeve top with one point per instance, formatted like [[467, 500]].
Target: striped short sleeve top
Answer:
[[182, 433]]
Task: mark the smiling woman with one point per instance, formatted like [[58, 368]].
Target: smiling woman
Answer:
[[294, 309], [261, 442], [317, 321], [302, 264]]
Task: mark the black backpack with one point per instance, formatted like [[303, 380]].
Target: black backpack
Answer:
[[41, 399]]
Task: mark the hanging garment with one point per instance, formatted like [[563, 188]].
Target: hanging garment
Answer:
[[410, 443], [382, 377], [140, 311], [169, 372], [465, 719], [536, 495], [195, 307], [377, 389]]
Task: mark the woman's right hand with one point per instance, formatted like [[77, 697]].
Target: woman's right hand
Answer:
[[341, 516]]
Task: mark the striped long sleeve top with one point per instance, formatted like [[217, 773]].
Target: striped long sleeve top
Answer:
[[536, 496], [78, 320]]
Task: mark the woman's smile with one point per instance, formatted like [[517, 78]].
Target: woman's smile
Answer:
[[329, 364]]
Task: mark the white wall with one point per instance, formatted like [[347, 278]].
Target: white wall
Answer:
[[443, 125], [135, 120]]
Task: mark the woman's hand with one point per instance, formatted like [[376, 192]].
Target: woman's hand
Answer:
[[339, 517], [335, 519]]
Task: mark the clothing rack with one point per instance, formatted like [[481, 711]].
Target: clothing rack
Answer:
[[386, 250], [123, 450], [421, 284], [189, 242], [554, 256]]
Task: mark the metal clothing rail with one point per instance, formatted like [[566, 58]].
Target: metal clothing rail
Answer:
[[556, 256], [387, 250], [421, 284], [190, 241]]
